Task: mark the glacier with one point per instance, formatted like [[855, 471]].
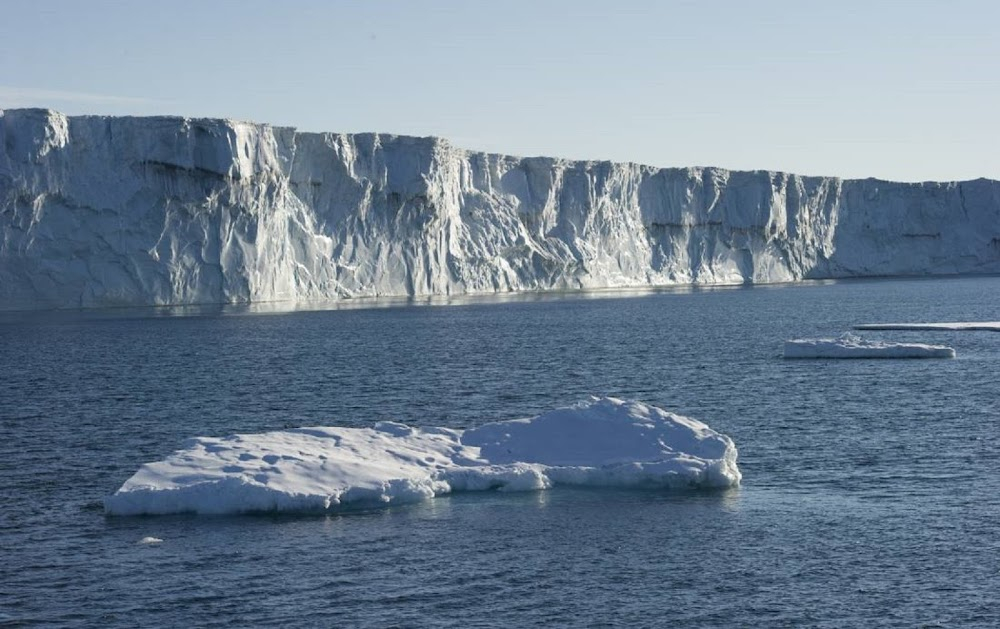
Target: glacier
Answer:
[[127, 211], [604, 442]]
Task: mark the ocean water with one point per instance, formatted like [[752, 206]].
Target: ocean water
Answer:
[[871, 493]]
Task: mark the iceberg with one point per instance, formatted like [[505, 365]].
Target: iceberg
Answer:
[[121, 211], [992, 326], [601, 442], [852, 346]]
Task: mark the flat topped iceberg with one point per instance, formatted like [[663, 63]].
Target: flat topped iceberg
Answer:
[[993, 326], [601, 442], [852, 346]]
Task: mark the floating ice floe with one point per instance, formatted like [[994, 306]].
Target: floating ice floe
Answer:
[[852, 346], [601, 442], [150, 540], [993, 326]]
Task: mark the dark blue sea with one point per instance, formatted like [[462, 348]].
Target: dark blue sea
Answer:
[[870, 496]]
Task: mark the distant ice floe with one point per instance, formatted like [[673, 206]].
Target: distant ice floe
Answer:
[[993, 326], [150, 540], [600, 442], [853, 346]]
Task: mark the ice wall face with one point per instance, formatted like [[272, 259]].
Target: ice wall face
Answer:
[[99, 211]]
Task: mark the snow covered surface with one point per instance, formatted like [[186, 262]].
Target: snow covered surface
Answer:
[[993, 326], [98, 211], [852, 346], [601, 442]]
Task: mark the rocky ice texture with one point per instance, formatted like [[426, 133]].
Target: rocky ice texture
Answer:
[[604, 442], [98, 211], [853, 346]]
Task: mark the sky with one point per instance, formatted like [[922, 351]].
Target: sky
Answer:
[[899, 90]]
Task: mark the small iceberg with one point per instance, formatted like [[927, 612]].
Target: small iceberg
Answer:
[[853, 346], [601, 442], [958, 326]]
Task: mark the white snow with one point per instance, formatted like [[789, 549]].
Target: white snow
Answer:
[[993, 326], [601, 442], [852, 346], [98, 211]]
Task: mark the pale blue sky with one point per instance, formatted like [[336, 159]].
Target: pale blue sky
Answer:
[[898, 90]]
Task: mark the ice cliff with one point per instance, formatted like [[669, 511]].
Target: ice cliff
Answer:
[[100, 211]]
